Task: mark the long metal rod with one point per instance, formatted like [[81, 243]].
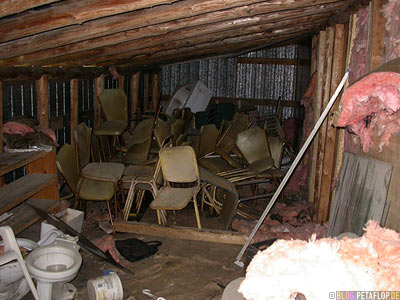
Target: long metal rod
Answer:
[[292, 167]]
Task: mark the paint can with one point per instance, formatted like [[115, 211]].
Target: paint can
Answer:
[[107, 287]]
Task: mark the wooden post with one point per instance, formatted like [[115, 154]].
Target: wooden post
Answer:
[[155, 91], [332, 132], [98, 89], [1, 127], [325, 99], [42, 95], [121, 82], [74, 108], [145, 92], [135, 80], [317, 112], [376, 30]]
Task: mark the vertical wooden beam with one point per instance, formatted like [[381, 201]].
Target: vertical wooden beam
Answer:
[[317, 112], [1, 126], [155, 91], [42, 96], [135, 80], [74, 107], [146, 92], [98, 89], [121, 82], [325, 99], [376, 30], [338, 67]]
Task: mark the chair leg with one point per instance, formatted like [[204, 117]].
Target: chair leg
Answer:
[[129, 201], [139, 200], [196, 211], [117, 209]]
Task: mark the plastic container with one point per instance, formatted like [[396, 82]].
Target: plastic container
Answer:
[[107, 287]]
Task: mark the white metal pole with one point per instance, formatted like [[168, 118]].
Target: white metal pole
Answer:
[[292, 167]]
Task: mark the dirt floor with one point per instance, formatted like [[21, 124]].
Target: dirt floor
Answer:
[[180, 270]]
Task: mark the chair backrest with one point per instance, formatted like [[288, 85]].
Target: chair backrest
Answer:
[[253, 144], [83, 135], [239, 123], [114, 104], [142, 132], [207, 140], [67, 165], [161, 132], [276, 146], [179, 164], [177, 128]]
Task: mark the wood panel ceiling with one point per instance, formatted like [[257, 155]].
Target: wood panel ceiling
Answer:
[[148, 33]]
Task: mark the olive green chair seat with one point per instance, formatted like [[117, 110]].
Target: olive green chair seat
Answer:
[[112, 128]]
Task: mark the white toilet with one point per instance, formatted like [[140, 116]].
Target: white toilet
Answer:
[[58, 263]]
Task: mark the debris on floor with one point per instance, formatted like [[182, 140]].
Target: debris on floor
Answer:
[[107, 243], [368, 263]]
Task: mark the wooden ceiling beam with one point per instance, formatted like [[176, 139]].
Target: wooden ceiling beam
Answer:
[[137, 19], [11, 7], [156, 34], [197, 41], [67, 13], [215, 47]]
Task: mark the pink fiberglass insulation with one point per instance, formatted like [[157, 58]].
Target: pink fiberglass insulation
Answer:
[[319, 267], [372, 103], [391, 11]]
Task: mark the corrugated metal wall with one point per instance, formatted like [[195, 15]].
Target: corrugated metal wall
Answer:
[[257, 81]]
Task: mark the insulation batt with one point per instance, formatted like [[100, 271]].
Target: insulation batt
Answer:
[[377, 97], [368, 263]]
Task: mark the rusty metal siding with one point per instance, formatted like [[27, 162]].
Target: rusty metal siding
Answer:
[[85, 101], [60, 106]]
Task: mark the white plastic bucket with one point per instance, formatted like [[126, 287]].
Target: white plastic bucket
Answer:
[[107, 287]]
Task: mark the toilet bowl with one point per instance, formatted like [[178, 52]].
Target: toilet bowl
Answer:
[[58, 262]]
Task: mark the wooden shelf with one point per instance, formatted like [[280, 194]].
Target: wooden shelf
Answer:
[[10, 161], [23, 188], [24, 216]]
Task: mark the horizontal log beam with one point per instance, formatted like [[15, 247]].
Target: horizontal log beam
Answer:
[[137, 19], [198, 41], [10, 7], [261, 102], [182, 233], [66, 13]]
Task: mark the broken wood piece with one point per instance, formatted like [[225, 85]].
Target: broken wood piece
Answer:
[[180, 232]]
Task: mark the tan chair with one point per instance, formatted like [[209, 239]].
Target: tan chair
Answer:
[[179, 168], [138, 150], [98, 171], [82, 189]]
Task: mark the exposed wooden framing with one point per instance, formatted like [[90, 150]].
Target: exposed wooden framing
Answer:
[[129, 21], [376, 30], [74, 12], [184, 233], [317, 111], [98, 89], [10, 7], [263, 102], [1, 127], [155, 91], [325, 99], [135, 80], [339, 62], [74, 108], [343, 16], [201, 41], [42, 96], [146, 92], [121, 81]]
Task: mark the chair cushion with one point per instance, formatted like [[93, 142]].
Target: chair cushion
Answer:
[[173, 198], [96, 190], [105, 171], [113, 127]]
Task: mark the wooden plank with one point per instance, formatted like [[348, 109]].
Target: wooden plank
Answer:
[[185, 29], [184, 233], [1, 128], [74, 107], [42, 96], [121, 82], [98, 89], [10, 7], [146, 92], [142, 18], [23, 188], [135, 80], [24, 216], [155, 91], [45, 165], [69, 13], [10, 161], [272, 61], [250, 101], [317, 112], [376, 30], [325, 99], [338, 67]]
